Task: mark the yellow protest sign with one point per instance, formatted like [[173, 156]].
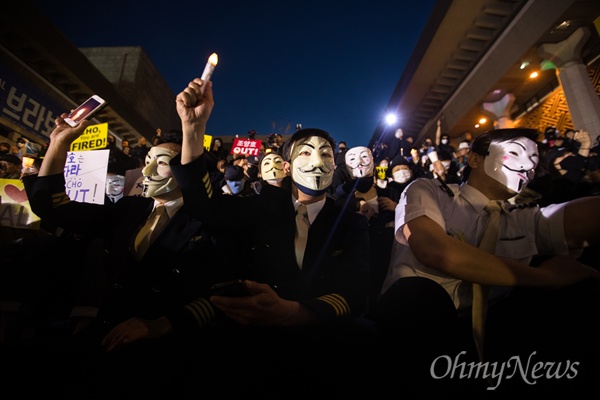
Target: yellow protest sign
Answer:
[[15, 211], [93, 138], [207, 141]]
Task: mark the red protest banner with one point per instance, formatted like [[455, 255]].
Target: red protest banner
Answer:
[[246, 147]]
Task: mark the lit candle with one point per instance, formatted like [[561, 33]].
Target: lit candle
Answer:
[[210, 66]]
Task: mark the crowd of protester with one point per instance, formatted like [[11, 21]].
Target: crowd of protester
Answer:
[[144, 322]]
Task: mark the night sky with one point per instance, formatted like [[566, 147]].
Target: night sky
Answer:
[[324, 64]]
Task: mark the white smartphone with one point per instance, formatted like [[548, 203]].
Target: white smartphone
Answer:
[[86, 110]]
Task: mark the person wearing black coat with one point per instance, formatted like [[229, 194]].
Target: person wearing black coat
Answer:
[[296, 311]]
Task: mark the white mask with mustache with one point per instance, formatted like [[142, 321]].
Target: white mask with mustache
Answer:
[[158, 178], [512, 163], [359, 162], [312, 164], [271, 167]]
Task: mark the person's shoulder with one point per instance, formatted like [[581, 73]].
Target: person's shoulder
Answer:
[[272, 190], [433, 187], [422, 184], [521, 206]]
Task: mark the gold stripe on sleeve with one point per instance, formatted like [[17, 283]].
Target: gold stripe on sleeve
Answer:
[[339, 304], [202, 311]]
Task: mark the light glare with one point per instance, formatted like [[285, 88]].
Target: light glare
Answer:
[[391, 119]]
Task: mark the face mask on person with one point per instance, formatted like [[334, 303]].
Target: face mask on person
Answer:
[[271, 167], [359, 162], [381, 171], [158, 178], [446, 164], [312, 165], [235, 186], [512, 163], [444, 141], [115, 185], [401, 176]]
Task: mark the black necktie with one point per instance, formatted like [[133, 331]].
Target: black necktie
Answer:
[[302, 226]]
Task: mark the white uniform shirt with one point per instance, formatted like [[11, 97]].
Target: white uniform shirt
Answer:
[[523, 232]]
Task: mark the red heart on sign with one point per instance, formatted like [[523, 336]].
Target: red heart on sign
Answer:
[[16, 194]]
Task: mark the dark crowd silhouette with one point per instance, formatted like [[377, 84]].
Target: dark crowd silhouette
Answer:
[[117, 300]]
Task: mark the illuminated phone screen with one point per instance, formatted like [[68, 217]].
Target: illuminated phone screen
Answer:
[[84, 110]]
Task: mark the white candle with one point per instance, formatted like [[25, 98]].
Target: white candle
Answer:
[[210, 66]]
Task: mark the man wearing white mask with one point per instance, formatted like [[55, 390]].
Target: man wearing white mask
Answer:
[[440, 263], [359, 162], [115, 186], [271, 169], [151, 278], [357, 181], [310, 299]]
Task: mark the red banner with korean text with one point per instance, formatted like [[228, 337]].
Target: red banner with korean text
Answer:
[[246, 147]]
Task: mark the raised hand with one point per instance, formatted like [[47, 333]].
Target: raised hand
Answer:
[[195, 102], [194, 106]]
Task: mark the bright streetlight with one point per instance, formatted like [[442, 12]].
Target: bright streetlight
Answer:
[[391, 119]]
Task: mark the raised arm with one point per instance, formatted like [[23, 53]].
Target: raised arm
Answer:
[[60, 141], [194, 106]]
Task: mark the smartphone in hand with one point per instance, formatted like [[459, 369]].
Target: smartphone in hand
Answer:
[[86, 110], [233, 288]]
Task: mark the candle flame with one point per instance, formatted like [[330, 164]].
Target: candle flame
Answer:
[[213, 59]]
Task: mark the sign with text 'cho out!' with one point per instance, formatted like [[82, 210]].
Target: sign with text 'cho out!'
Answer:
[[85, 180], [85, 176], [246, 147], [93, 138]]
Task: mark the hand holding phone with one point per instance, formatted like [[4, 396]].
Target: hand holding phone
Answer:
[[233, 288], [86, 110]]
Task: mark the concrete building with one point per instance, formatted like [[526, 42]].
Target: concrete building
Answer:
[[474, 59], [43, 75], [466, 65]]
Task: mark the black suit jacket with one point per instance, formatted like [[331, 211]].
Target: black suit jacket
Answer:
[[174, 276], [333, 281]]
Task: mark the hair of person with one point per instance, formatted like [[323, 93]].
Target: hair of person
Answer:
[[261, 157], [172, 136], [302, 134], [10, 158]]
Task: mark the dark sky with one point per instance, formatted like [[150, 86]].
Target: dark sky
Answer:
[[324, 64]]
